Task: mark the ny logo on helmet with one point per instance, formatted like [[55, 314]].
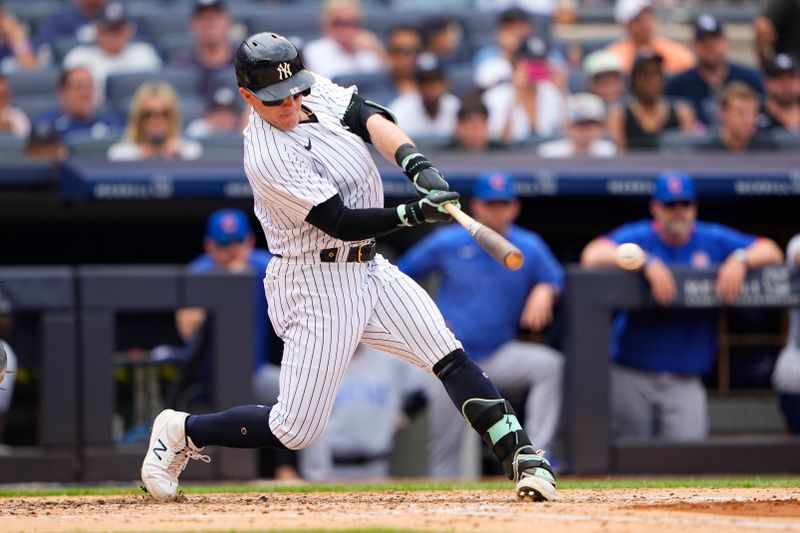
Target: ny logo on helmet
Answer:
[[284, 71]]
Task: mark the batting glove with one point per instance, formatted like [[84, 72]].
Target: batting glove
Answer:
[[425, 177], [429, 209]]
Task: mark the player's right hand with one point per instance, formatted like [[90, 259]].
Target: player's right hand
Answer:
[[428, 209], [662, 282]]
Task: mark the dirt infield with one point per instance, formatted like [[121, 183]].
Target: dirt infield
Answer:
[[693, 510]]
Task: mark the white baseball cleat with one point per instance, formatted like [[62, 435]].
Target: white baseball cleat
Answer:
[[167, 455], [533, 475]]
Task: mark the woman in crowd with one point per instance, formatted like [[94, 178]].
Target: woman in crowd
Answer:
[[154, 127], [638, 124]]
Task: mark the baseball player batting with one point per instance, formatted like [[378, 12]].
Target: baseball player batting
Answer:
[[319, 198]]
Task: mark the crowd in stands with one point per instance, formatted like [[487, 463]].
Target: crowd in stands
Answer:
[[519, 86]]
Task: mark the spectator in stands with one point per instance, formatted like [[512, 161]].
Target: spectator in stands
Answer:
[[640, 26], [781, 108], [638, 124], [530, 103], [603, 71], [492, 63], [786, 375], [113, 51], [6, 382], [444, 37], [345, 47], [154, 127], [368, 410], [77, 114], [472, 128], [403, 46], [485, 305], [700, 84], [13, 120], [776, 30], [222, 115], [585, 131], [212, 52], [430, 112], [74, 21], [15, 49], [659, 356], [738, 115]]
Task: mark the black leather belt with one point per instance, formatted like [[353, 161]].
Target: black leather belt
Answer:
[[355, 254]]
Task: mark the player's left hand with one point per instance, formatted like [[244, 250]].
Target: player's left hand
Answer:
[[429, 180], [730, 278], [426, 178]]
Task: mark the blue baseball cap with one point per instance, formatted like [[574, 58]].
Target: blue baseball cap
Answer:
[[494, 186], [674, 187], [227, 226]]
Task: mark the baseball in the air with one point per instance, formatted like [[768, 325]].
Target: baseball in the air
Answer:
[[630, 256]]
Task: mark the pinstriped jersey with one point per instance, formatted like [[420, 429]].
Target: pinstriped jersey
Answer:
[[292, 171]]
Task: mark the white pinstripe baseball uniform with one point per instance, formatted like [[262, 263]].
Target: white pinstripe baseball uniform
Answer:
[[323, 310]]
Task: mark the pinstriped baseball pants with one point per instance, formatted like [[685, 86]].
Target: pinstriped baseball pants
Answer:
[[322, 311]]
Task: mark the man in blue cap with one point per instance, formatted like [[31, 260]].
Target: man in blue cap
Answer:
[[660, 356], [485, 305]]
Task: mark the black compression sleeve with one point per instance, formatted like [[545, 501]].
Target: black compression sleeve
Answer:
[[332, 217], [358, 111]]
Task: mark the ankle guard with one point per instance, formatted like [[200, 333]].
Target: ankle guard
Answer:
[[497, 423]]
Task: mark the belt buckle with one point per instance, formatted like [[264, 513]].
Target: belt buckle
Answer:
[[360, 247]]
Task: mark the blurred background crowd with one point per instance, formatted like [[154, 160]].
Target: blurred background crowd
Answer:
[[555, 79], [147, 79]]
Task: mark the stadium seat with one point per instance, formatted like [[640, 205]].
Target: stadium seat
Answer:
[[461, 78], [368, 83], [36, 104], [171, 44], [40, 82], [223, 145], [678, 142], [786, 140], [120, 87], [297, 21], [87, 145], [11, 147], [156, 25]]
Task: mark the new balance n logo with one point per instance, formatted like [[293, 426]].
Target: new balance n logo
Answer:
[[162, 449]]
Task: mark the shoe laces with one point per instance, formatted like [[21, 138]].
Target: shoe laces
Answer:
[[181, 459]]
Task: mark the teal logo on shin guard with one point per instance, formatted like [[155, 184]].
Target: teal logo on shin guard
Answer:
[[504, 426]]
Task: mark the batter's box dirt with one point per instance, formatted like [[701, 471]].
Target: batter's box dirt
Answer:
[[690, 510]]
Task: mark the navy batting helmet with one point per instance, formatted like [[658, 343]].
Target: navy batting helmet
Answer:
[[269, 66]]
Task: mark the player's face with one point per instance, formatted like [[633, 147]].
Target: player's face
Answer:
[[285, 116], [675, 218]]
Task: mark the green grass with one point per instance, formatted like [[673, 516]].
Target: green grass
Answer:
[[566, 484]]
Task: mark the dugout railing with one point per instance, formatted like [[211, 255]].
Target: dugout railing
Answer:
[[76, 407], [590, 300]]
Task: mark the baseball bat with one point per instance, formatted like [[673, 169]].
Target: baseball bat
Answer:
[[495, 244]]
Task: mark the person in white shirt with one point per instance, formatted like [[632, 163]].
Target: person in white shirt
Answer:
[[154, 127], [431, 111], [585, 131], [113, 51], [345, 47], [530, 104]]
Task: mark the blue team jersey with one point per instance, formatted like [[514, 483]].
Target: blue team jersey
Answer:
[[480, 299], [680, 342], [258, 264], [688, 85]]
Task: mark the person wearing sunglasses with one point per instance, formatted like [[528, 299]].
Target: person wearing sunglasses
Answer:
[[154, 128], [345, 47], [659, 356]]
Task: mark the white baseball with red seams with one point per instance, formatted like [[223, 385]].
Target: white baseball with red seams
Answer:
[[630, 256]]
